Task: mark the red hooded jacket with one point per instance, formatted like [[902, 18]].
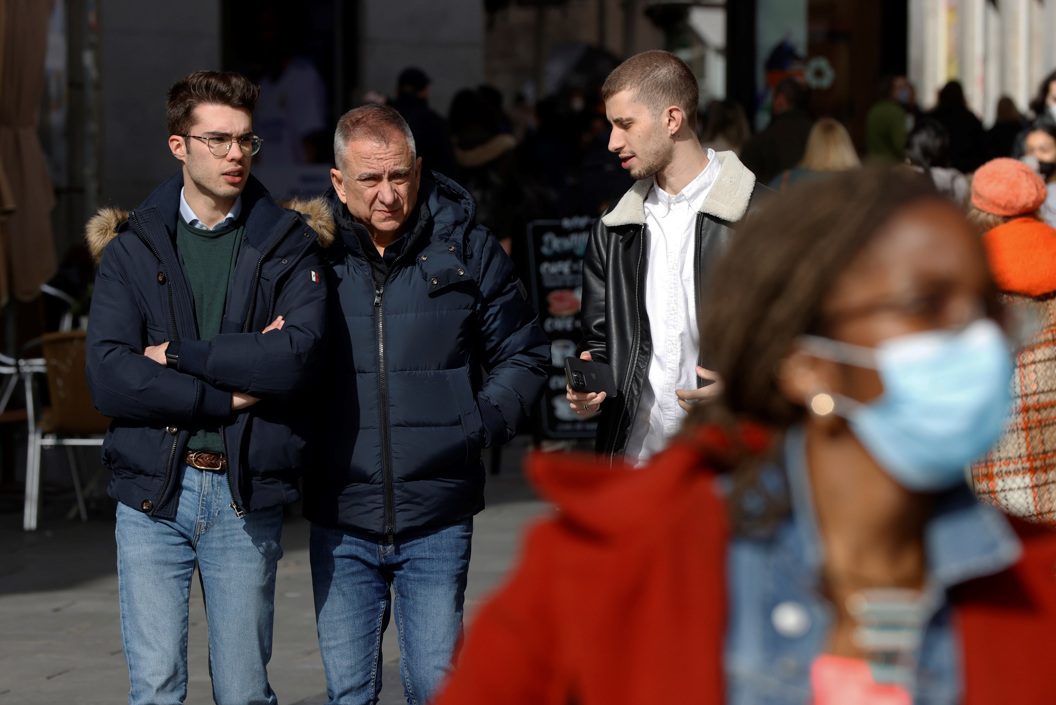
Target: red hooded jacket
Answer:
[[604, 608]]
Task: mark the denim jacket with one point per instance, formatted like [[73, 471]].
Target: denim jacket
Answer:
[[780, 620]]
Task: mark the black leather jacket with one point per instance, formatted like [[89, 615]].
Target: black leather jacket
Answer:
[[615, 325]]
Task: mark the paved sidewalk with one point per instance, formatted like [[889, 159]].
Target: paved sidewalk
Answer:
[[60, 639]]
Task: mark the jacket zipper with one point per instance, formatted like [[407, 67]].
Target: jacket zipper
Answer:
[[383, 398], [246, 325], [635, 344], [256, 279], [386, 440], [175, 336], [239, 511]]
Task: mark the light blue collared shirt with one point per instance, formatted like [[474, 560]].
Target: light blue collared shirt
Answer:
[[191, 219]]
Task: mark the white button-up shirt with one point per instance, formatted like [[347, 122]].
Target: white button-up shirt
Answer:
[[191, 219], [670, 304]]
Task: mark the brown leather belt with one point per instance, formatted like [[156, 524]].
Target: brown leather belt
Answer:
[[203, 460]]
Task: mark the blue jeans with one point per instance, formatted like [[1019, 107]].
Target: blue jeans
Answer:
[[236, 561], [352, 576]]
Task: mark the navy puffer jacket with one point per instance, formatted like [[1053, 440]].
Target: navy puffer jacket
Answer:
[[142, 297], [442, 360]]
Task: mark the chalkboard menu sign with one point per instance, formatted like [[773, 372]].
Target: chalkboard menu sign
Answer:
[[555, 250]]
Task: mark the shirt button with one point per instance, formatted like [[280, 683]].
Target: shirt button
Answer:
[[788, 666], [791, 620], [147, 505]]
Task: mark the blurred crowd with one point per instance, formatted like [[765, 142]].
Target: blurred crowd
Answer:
[[520, 161], [523, 161]]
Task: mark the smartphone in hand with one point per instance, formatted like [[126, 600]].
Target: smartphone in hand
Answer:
[[589, 376]]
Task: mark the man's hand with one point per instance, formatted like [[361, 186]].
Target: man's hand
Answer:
[[687, 398], [585, 404], [157, 352], [277, 324], [241, 400]]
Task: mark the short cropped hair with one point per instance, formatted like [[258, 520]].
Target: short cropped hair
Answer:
[[374, 122], [656, 79], [207, 88]]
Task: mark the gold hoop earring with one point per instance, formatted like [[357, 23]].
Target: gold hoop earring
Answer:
[[821, 404]]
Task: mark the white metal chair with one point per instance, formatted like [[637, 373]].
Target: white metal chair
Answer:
[[70, 421]]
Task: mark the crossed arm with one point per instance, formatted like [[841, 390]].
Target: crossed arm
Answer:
[[239, 400], [130, 382]]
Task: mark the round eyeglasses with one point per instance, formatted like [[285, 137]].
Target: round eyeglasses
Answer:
[[220, 146]]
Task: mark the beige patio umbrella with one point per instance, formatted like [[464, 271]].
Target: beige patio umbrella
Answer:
[[28, 243]]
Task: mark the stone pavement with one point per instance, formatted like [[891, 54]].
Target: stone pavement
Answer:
[[60, 638]]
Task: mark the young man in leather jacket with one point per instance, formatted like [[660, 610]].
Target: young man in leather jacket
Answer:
[[648, 257]]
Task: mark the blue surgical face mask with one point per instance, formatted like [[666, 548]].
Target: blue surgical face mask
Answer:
[[945, 401]]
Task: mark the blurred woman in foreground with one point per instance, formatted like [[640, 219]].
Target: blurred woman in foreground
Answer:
[[810, 538]]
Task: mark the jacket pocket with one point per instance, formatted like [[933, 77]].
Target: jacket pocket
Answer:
[[135, 450], [156, 335], [468, 414]]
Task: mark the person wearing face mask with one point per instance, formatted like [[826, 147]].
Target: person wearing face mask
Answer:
[[928, 153], [1043, 104], [810, 537], [1017, 473], [1039, 147], [885, 123]]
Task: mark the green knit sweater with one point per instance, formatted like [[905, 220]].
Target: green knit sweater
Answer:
[[209, 258]]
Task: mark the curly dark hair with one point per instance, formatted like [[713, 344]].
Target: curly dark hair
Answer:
[[768, 290]]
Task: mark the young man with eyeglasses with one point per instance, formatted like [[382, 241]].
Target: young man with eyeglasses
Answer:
[[207, 325]]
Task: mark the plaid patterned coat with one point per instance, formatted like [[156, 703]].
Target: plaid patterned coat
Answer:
[[1019, 473]]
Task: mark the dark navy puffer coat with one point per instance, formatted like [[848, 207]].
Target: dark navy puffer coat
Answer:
[[442, 360], [142, 297]]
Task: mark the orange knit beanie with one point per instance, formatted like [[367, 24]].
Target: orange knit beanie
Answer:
[[1007, 187]]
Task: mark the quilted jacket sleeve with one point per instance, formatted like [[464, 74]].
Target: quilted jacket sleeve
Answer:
[[125, 384], [516, 352], [279, 364]]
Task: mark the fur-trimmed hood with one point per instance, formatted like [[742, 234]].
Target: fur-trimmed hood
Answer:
[[106, 223], [727, 200]]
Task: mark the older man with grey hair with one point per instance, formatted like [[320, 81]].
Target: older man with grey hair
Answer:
[[436, 354]]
